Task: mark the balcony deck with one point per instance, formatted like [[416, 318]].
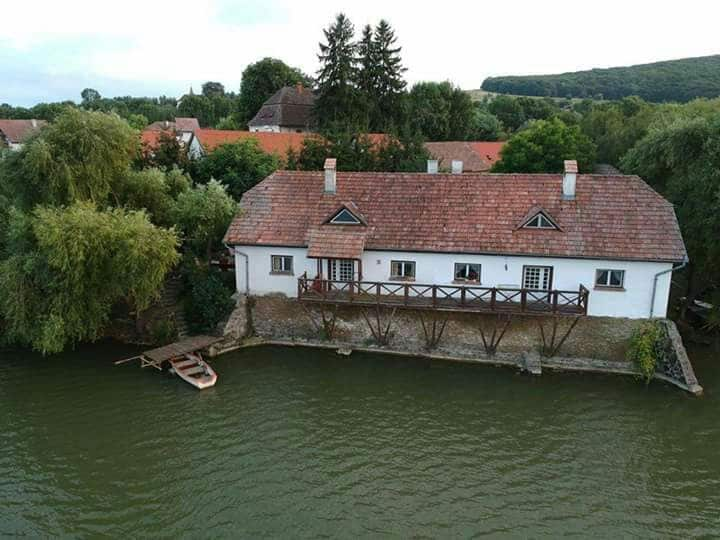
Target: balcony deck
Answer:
[[457, 298]]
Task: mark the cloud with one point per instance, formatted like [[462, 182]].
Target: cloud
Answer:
[[146, 47]]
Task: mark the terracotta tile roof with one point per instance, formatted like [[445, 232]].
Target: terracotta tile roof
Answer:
[[16, 131], [150, 139], [612, 217], [337, 241], [476, 156], [272, 143], [290, 106]]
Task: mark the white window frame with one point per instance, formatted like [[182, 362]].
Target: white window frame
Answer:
[[545, 273], [468, 267], [284, 266], [607, 284], [407, 270], [341, 270], [355, 220], [540, 216]]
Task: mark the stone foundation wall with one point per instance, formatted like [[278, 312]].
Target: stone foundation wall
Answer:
[[277, 317]]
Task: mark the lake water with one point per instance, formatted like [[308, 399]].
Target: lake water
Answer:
[[306, 443]]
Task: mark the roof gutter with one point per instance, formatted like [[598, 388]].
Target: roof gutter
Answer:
[[235, 251], [669, 270]]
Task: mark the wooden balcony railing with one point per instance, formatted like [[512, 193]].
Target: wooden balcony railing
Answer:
[[444, 297]]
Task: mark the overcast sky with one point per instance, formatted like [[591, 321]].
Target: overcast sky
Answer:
[[50, 50]]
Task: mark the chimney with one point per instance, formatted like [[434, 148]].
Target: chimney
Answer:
[[457, 166], [34, 123], [166, 124], [432, 166], [299, 87], [330, 179], [569, 178]]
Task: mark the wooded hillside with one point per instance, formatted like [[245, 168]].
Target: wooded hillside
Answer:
[[673, 80]]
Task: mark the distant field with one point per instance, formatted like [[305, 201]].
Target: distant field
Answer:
[[672, 80]]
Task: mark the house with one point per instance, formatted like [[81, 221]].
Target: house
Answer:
[[207, 140], [14, 132], [475, 156], [289, 110], [183, 127], [537, 243]]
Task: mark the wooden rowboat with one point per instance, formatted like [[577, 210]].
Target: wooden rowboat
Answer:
[[194, 370]]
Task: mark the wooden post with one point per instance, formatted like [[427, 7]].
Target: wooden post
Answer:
[[407, 293], [555, 302], [493, 297], [434, 295], [523, 299], [462, 296], [377, 291]]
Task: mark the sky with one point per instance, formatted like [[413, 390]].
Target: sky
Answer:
[[50, 50]]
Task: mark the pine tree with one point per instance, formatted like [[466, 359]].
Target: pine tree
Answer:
[[389, 82], [336, 100], [366, 78]]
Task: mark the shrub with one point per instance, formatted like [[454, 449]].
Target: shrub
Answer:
[[645, 351], [208, 300]]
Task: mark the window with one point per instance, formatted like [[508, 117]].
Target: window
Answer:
[[538, 278], [467, 272], [345, 217], [402, 269], [341, 269], [610, 278], [281, 264], [539, 221]]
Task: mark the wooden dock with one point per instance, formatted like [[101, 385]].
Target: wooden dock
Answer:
[[156, 357]]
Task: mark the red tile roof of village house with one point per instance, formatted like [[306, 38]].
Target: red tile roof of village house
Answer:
[[272, 143], [180, 124], [337, 241], [476, 156], [16, 131], [612, 217]]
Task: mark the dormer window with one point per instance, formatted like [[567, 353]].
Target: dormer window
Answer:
[[540, 221], [345, 217]]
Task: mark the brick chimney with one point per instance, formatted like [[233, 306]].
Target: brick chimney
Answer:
[[330, 175], [457, 166], [432, 166], [569, 179], [300, 88]]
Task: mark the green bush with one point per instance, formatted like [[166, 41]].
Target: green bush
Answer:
[[208, 300], [163, 332], [645, 351]]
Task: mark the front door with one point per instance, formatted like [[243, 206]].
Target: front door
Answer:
[[341, 269]]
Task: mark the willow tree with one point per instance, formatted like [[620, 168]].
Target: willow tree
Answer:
[[70, 266], [83, 155]]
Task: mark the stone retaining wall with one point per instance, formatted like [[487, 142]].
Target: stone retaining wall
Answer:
[[595, 344]]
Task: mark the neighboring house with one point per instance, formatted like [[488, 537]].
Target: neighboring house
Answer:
[[207, 140], [183, 127], [475, 156], [14, 132], [289, 110], [558, 243]]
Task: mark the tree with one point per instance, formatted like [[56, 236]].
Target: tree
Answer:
[[203, 214], [137, 121], [261, 80], [211, 89], [71, 265], [389, 82], [199, 107], [441, 112], [81, 156], [336, 93], [366, 78], [154, 191], [167, 153], [681, 159], [90, 96], [239, 166], [543, 146]]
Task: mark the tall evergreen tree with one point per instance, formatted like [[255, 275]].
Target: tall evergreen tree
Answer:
[[388, 75], [367, 78], [336, 100]]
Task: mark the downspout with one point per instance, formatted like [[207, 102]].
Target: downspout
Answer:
[[234, 250], [654, 289]]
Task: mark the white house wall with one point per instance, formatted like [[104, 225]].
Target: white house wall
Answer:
[[496, 271]]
